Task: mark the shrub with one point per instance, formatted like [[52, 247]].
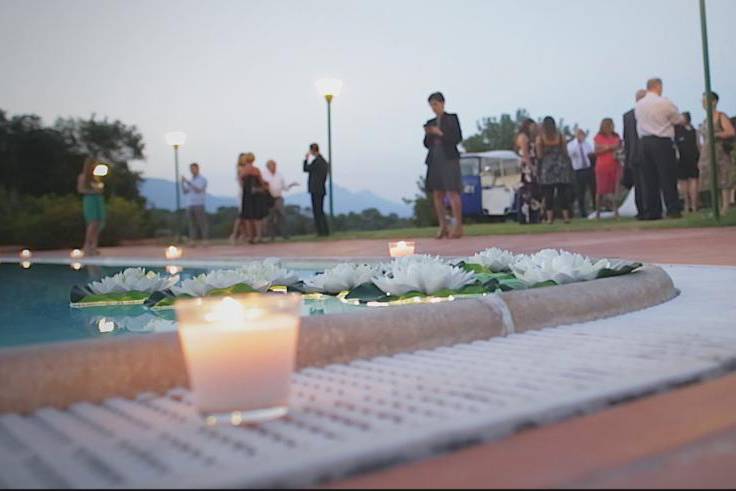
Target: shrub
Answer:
[[52, 222]]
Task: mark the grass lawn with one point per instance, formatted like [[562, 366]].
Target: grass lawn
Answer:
[[693, 220]]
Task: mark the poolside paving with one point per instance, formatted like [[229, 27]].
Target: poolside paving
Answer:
[[709, 246]]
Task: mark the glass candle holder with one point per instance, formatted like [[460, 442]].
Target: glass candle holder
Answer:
[[173, 252], [240, 353], [401, 248]]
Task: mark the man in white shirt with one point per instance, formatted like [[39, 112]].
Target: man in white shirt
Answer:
[[276, 186], [656, 117], [580, 152], [195, 191]]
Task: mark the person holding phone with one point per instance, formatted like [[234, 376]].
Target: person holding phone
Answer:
[[442, 134]]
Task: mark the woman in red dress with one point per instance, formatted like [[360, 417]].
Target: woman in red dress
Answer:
[[607, 166]]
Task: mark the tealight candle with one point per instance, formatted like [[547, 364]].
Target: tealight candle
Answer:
[[401, 248], [25, 254], [76, 254], [240, 353], [76, 266], [173, 252]]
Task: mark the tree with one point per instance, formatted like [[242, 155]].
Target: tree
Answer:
[[112, 142], [37, 160], [495, 133], [423, 206]]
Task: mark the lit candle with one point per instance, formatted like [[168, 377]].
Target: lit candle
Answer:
[[401, 248], [25, 264], [173, 252], [76, 254], [25, 254], [100, 170], [240, 353], [173, 269], [76, 266]]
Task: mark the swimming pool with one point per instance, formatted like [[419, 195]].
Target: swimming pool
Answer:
[[34, 305]]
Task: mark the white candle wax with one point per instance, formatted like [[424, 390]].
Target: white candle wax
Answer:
[[240, 363]]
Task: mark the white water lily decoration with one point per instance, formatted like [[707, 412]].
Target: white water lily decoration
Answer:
[[559, 266], [269, 271], [495, 259], [202, 284], [422, 273], [133, 279], [343, 277]]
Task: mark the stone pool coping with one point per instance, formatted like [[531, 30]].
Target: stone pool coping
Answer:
[[61, 374]]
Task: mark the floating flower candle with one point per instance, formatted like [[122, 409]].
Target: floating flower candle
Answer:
[[76, 254]]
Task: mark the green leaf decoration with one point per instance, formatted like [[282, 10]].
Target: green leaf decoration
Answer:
[[511, 284], [231, 290], [367, 292], [117, 298], [619, 270], [545, 284], [475, 268]]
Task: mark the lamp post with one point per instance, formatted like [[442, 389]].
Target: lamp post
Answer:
[[709, 110], [329, 88], [176, 139]]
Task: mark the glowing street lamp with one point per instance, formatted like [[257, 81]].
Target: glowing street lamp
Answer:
[[329, 88], [176, 139]]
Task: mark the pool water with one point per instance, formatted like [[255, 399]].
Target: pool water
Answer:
[[34, 306]]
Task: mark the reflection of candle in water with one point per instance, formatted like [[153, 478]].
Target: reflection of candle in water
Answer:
[[105, 326], [172, 269], [25, 264], [173, 252], [76, 266], [240, 353], [76, 254], [401, 248], [25, 254]]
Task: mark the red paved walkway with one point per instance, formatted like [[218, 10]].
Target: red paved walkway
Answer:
[[682, 439], [715, 246]]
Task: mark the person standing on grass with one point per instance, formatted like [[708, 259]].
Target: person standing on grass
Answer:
[[632, 159], [686, 139], [276, 188], [239, 224], [724, 133], [253, 209], [555, 170], [580, 153], [195, 189], [529, 199], [93, 205], [656, 117], [318, 169], [442, 134], [607, 166]]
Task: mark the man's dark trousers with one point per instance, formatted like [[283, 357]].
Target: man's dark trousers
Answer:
[[320, 220], [659, 173], [584, 182]]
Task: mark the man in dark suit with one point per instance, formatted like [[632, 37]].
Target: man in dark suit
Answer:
[[318, 168], [633, 157]]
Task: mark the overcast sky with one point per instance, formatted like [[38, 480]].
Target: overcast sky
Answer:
[[239, 75]]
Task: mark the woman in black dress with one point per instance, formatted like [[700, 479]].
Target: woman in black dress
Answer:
[[686, 138], [442, 134], [254, 206]]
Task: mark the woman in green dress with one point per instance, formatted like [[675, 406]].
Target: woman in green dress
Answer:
[[93, 204]]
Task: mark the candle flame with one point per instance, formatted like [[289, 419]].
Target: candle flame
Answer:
[[25, 254], [25, 264], [76, 253], [76, 266], [173, 252]]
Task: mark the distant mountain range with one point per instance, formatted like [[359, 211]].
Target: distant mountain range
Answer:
[[160, 193]]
